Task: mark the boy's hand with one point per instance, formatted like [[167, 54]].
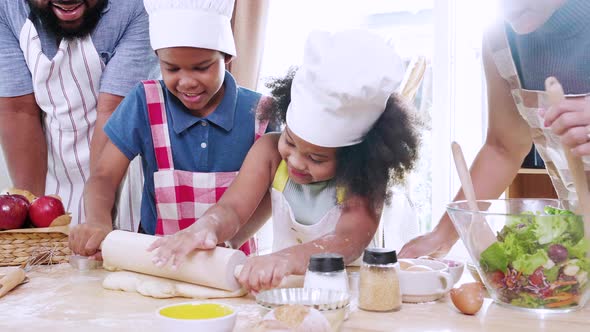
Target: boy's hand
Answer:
[[265, 272], [176, 247], [85, 239]]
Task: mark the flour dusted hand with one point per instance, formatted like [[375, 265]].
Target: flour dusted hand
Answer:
[[266, 272], [176, 247]]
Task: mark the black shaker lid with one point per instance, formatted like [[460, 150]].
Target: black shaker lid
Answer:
[[379, 256], [326, 263]]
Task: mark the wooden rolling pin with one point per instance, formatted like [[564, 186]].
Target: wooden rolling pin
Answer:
[[10, 280], [212, 268]]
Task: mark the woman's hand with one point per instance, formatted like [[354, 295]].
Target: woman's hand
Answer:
[[570, 120], [200, 235], [435, 244], [266, 272]]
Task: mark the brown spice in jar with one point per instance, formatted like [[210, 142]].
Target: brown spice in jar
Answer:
[[379, 288]]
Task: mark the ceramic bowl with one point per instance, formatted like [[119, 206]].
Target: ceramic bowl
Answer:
[[331, 303], [423, 280], [193, 316], [456, 268]]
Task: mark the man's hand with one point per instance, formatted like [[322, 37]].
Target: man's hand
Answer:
[[85, 239]]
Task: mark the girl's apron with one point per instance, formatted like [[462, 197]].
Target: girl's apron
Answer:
[[529, 103], [182, 196], [66, 89], [287, 232]]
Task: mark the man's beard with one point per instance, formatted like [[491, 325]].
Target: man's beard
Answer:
[[52, 23]]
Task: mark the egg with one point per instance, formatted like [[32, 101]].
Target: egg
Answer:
[[468, 298], [294, 318]]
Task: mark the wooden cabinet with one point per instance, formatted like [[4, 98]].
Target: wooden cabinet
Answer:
[[531, 183]]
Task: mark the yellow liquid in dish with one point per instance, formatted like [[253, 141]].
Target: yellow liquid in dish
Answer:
[[196, 311]]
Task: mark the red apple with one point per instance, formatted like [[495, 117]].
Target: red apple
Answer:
[[13, 211], [45, 209]]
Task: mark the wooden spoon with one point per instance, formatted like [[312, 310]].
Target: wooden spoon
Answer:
[[480, 234], [575, 164]]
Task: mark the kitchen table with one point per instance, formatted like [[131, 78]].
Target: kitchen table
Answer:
[[59, 298]]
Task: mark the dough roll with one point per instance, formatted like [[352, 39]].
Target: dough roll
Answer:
[[213, 268]]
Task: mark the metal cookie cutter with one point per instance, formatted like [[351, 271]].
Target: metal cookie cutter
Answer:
[[83, 263]]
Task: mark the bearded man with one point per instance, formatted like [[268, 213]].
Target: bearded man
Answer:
[[64, 67]]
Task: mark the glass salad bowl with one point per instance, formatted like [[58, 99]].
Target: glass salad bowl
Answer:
[[530, 253]]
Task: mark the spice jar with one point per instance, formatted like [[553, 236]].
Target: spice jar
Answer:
[[326, 271], [379, 285]]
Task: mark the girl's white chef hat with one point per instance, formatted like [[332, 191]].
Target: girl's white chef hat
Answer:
[[191, 23], [342, 87]]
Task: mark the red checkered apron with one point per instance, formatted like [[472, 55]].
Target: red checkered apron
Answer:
[[183, 196]]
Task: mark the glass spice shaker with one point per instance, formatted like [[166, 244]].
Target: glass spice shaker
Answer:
[[326, 271], [379, 285]]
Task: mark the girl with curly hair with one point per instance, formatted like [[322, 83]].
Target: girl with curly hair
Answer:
[[347, 139]]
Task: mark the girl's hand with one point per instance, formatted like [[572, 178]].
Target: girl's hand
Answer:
[[177, 246], [266, 272], [571, 122]]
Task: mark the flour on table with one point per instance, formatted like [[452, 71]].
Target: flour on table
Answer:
[[162, 288]]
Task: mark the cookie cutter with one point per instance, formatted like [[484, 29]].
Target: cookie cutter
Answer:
[[83, 263]]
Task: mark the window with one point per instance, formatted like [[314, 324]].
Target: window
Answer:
[[448, 33]]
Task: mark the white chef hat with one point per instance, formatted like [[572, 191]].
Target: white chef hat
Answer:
[[342, 87], [191, 23]]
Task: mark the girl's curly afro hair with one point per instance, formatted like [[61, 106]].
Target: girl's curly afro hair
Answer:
[[383, 158]]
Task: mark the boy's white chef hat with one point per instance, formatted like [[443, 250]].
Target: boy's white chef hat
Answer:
[[191, 23], [342, 87]]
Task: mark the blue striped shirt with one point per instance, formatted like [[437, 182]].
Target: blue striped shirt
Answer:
[[121, 39]]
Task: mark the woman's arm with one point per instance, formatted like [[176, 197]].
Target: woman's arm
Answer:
[[355, 229], [223, 220], [507, 143]]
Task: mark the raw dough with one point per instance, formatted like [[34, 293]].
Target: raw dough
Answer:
[[162, 288]]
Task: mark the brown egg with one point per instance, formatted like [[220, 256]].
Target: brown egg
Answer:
[[468, 298]]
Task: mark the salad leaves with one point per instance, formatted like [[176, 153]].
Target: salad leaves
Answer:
[[539, 259]]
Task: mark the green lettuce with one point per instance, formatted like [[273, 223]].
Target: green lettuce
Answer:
[[527, 264], [549, 228], [584, 264], [494, 258], [527, 301], [552, 273], [578, 250]]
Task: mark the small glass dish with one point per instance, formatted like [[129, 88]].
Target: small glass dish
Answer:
[[332, 304], [320, 299]]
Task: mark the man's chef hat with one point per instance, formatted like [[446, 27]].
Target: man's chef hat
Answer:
[[191, 23], [342, 87]]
